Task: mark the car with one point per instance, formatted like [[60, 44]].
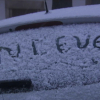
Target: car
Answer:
[[53, 50]]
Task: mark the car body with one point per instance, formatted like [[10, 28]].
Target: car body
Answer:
[[55, 50], [74, 15]]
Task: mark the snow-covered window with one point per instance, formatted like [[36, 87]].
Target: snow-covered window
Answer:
[[52, 57]]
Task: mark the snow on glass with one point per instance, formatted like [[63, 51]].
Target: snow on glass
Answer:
[[52, 57]]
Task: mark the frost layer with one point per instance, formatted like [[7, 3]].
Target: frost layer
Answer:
[[52, 57]]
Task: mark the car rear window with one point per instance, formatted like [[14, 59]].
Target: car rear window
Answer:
[[55, 56]]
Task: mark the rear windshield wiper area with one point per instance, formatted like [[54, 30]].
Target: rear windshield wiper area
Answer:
[[15, 86]]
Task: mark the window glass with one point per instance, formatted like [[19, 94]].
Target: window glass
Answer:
[[17, 12], [91, 2], [21, 7], [95, 1], [61, 4]]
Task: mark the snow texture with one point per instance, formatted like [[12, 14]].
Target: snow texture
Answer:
[[53, 57]]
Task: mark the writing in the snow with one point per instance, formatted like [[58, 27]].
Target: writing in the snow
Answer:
[[96, 44], [18, 50]]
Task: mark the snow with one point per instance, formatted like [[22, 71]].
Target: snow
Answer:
[[34, 54], [53, 57]]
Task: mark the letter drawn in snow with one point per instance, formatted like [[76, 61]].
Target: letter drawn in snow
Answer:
[[96, 41], [59, 45], [7, 49], [79, 45], [18, 49], [34, 48]]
